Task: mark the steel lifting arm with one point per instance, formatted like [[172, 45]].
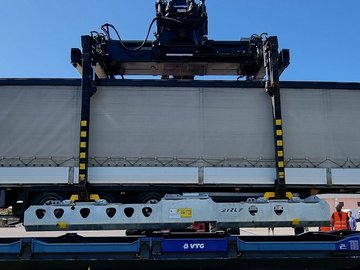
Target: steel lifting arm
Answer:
[[274, 63], [88, 88]]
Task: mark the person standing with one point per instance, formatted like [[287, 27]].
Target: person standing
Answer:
[[339, 219], [352, 221]]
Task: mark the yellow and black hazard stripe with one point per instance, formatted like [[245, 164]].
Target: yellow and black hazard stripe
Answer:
[[83, 160], [279, 153], [88, 88]]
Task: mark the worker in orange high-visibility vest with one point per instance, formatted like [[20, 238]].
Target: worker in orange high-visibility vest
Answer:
[[339, 219]]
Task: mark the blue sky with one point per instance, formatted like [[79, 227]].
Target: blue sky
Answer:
[[322, 35]]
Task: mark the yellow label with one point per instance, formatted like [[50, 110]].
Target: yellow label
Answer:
[[279, 132], [83, 145], [84, 123], [278, 122], [62, 225], [295, 221], [280, 164], [185, 212], [83, 134], [82, 155], [280, 153], [82, 177], [82, 166], [279, 143]]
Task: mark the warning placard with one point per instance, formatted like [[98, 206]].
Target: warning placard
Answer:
[[180, 213]]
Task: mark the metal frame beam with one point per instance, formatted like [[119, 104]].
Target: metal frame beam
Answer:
[[178, 212], [272, 88], [88, 88]]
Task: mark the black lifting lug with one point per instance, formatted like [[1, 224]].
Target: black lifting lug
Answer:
[[284, 58], [76, 57]]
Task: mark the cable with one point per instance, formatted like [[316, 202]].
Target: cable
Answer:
[[94, 33], [172, 19], [106, 30], [106, 27]]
